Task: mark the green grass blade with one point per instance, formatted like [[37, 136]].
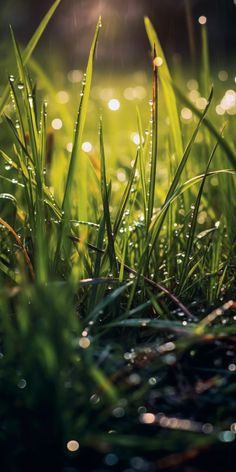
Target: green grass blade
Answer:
[[190, 239], [168, 91], [108, 300], [177, 177], [36, 141], [230, 153], [179, 191], [205, 71], [76, 151], [142, 166], [105, 200], [125, 199], [30, 48], [152, 184], [188, 150], [52, 91], [190, 26], [104, 383]]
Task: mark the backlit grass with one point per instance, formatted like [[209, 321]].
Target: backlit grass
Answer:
[[117, 265]]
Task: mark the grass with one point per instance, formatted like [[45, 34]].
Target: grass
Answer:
[[117, 271]]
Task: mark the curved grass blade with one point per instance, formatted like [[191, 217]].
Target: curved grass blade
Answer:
[[153, 235], [194, 224], [209, 125], [19, 242], [47, 195], [179, 191], [30, 48], [111, 298], [168, 92], [161, 325], [146, 279], [188, 150], [178, 174]]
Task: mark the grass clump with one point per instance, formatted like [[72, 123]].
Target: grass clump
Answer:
[[117, 312]]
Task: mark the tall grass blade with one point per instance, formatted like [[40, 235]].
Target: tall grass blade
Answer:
[[179, 191], [155, 229], [152, 184], [190, 239], [105, 200], [190, 26], [36, 142], [168, 91], [76, 151], [125, 199], [142, 166], [30, 48], [205, 70]]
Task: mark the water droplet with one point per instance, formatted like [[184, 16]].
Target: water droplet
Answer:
[[7, 167]]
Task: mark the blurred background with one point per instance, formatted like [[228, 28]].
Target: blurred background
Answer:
[[123, 70], [123, 41]]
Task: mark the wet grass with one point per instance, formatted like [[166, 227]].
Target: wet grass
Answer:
[[117, 267]]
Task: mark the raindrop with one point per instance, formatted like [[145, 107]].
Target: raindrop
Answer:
[[22, 384], [7, 167]]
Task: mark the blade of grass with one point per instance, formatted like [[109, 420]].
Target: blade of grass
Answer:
[[19, 242], [205, 70], [183, 277], [176, 179], [105, 199], [190, 26], [168, 91], [109, 299], [153, 163], [36, 140], [76, 151], [209, 125], [152, 236], [125, 199], [104, 383], [142, 166], [30, 48], [146, 279]]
